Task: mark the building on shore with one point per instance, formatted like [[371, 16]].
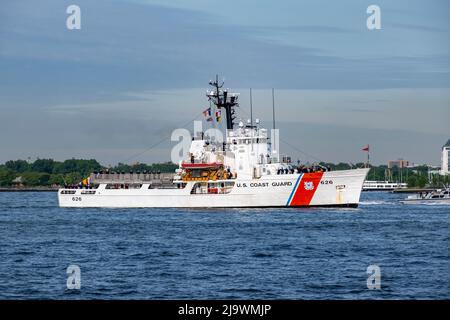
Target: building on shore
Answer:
[[445, 159], [17, 182], [400, 163]]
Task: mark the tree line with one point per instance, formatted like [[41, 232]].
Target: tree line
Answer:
[[49, 172], [417, 177]]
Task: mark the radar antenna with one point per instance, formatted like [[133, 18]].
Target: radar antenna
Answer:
[[223, 99]]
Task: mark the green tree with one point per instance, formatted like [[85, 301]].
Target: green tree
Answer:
[[412, 181], [44, 179], [72, 178], [422, 181], [56, 179], [43, 165], [164, 167], [31, 178], [17, 165], [6, 177], [83, 167]]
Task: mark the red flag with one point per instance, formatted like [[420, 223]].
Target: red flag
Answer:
[[366, 148], [218, 115]]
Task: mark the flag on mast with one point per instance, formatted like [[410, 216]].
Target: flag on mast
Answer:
[[207, 114], [218, 115], [366, 148]]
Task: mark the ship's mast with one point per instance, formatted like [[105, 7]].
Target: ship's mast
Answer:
[[223, 99]]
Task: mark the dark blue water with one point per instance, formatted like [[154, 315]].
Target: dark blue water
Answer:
[[223, 254]]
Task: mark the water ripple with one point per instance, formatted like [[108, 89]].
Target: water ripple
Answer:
[[311, 253]]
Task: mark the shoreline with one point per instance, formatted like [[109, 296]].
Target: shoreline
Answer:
[[413, 190], [31, 189]]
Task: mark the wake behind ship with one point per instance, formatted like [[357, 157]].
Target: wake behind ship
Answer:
[[243, 171]]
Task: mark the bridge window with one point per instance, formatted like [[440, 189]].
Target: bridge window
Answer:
[[67, 191], [88, 192]]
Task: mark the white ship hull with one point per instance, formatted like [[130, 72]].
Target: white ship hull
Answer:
[[332, 188]]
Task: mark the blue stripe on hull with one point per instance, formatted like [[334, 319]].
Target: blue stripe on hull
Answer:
[[295, 188]]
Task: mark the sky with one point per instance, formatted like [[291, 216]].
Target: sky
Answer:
[[115, 89]]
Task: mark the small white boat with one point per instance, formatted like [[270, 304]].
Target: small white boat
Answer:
[[370, 185], [439, 196]]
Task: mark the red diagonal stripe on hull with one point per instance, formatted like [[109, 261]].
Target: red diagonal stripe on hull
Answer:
[[306, 189]]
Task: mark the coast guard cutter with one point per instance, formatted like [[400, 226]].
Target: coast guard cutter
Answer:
[[245, 170]]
